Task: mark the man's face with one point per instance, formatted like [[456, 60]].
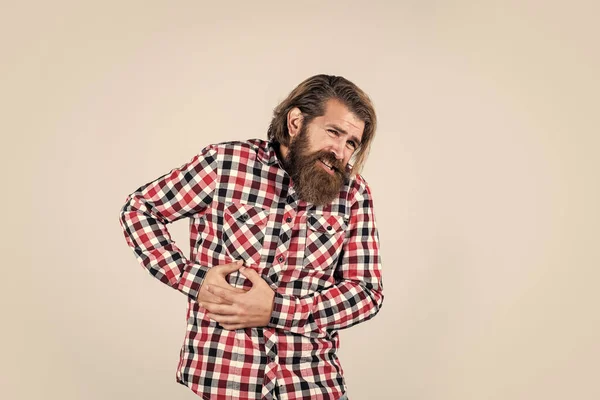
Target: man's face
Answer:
[[320, 151]]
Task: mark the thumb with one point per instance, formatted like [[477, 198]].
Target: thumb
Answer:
[[229, 268], [251, 274]]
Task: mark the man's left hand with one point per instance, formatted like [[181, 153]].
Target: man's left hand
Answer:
[[247, 310]]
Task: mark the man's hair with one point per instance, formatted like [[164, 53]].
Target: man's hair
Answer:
[[311, 97]]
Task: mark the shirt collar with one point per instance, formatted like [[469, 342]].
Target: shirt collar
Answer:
[[269, 155]]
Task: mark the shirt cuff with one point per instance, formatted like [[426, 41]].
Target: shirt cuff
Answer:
[[191, 280], [284, 307]]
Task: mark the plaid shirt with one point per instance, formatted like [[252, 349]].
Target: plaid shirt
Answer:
[[322, 262]]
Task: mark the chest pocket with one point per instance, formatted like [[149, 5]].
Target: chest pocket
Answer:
[[325, 234], [244, 231]]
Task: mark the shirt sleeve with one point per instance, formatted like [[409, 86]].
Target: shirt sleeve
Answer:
[[358, 294], [183, 192]]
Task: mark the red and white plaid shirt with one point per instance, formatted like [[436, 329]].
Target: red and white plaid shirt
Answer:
[[322, 262]]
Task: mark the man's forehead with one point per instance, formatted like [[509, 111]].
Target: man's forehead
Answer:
[[336, 113]]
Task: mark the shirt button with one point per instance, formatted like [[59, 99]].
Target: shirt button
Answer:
[[288, 219], [280, 258], [329, 228]]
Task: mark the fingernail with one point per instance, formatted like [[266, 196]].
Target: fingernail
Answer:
[[239, 262]]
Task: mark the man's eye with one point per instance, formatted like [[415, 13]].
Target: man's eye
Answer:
[[333, 131], [352, 144]]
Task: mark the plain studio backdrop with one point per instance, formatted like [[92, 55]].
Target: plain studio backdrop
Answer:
[[484, 174]]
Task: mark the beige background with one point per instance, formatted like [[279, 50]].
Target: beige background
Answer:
[[484, 174]]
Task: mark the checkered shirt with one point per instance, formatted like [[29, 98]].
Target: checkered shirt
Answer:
[[322, 262]]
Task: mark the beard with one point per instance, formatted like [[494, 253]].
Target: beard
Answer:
[[312, 182]]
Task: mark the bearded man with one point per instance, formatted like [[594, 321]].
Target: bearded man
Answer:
[[284, 248]]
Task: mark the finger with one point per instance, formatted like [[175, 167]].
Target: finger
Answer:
[[222, 282], [225, 294], [225, 269], [231, 326], [234, 327], [207, 297], [225, 319], [223, 285], [252, 275], [222, 309]]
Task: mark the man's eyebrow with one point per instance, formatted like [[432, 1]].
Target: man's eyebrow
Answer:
[[339, 129]]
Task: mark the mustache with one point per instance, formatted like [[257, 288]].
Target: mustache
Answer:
[[329, 158]]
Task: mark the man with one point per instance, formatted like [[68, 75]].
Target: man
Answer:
[[284, 248]]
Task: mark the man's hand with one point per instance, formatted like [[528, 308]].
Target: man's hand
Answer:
[[216, 277], [236, 310]]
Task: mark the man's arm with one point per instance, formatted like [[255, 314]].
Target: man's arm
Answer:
[[183, 192], [356, 297]]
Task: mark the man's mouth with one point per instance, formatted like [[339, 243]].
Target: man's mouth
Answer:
[[328, 166]]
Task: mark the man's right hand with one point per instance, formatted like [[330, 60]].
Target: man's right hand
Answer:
[[216, 277]]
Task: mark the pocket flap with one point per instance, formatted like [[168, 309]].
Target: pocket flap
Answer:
[[326, 223], [247, 214]]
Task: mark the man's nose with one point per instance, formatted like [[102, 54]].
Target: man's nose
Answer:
[[337, 148]]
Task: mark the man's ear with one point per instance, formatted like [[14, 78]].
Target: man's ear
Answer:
[[294, 121]]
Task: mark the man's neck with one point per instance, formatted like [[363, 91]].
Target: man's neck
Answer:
[[282, 152]]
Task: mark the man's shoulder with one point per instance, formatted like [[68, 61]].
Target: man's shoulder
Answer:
[[249, 149], [358, 187]]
